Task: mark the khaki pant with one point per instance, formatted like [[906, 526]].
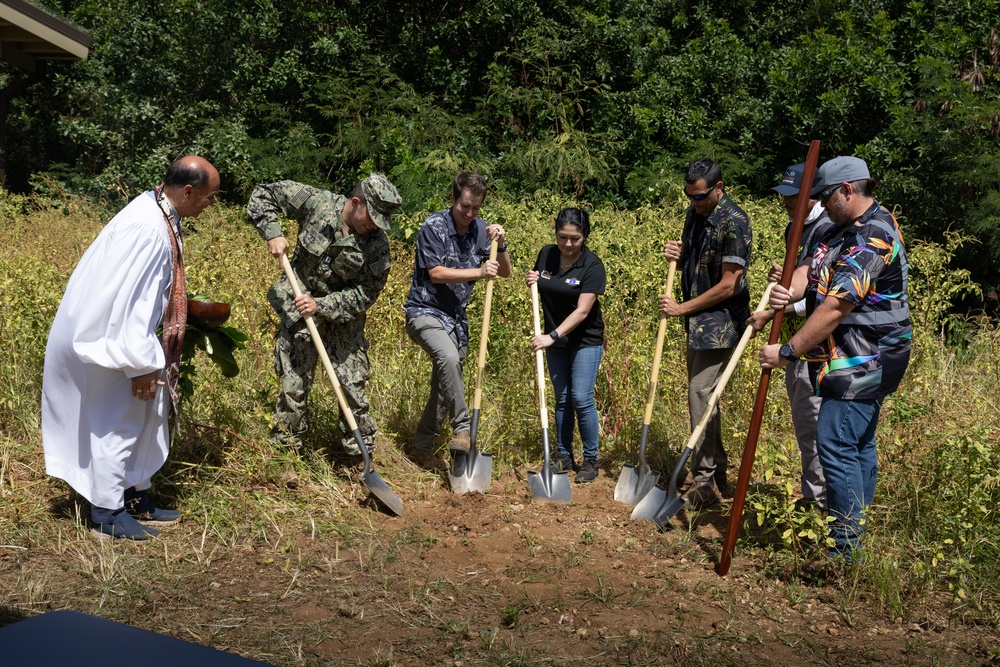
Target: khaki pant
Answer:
[[447, 385], [708, 458]]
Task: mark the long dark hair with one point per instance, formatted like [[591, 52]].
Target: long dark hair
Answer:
[[574, 216]]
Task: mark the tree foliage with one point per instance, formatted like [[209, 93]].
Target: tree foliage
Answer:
[[600, 99]]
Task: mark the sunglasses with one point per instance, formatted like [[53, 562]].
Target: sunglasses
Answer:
[[826, 194], [702, 196]]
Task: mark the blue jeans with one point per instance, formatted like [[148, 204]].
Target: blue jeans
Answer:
[[845, 438], [573, 373]]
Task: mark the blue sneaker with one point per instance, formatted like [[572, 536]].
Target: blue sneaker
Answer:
[[142, 508], [118, 524]]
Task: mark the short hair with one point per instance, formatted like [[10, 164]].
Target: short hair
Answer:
[[703, 168], [359, 192], [471, 181], [574, 216], [184, 171], [865, 187]]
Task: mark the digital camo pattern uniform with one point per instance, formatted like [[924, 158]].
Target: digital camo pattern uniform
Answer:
[[344, 274]]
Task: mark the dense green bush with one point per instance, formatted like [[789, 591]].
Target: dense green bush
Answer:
[[600, 100]]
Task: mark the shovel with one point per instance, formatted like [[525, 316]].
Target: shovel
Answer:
[[757, 416], [547, 485], [370, 478], [472, 471], [661, 505], [634, 482]]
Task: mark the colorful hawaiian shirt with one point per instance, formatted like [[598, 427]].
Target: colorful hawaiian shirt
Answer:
[[864, 263], [440, 244], [722, 237]]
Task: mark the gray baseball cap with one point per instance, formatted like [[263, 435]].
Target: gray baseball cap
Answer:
[[791, 181], [383, 199], [841, 169]]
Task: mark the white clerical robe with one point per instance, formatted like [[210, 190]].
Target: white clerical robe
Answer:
[[98, 437]]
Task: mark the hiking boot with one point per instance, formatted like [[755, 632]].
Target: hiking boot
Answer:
[[142, 508], [588, 471], [118, 524], [428, 460], [461, 442], [687, 483], [701, 495], [563, 463]]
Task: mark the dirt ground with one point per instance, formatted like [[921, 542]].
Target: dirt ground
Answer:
[[491, 579]]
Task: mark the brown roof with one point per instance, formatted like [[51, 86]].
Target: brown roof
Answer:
[[29, 34]]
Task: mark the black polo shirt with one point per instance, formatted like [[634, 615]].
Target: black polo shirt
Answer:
[[560, 293]]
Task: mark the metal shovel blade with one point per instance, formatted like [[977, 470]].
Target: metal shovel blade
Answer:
[[376, 484], [661, 505], [471, 472], [548, 485], [634, 482]]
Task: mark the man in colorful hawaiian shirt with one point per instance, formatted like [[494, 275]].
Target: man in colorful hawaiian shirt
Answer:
[[713, 255], [858, 329]]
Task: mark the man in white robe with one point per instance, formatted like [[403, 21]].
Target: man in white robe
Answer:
[[105, 405]]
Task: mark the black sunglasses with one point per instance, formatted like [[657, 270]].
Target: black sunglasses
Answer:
[[826, 194], [702, 196]]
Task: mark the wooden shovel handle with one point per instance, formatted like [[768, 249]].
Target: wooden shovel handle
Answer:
[[481, 366], [661, 333], [539, 363], [318, 342]]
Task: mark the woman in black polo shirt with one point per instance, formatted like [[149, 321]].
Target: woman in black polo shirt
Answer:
[[570, 278]]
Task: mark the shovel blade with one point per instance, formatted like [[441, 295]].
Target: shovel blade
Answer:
[[381, 490], [634, 483], [471, 472], [659, 506], [552, 487]]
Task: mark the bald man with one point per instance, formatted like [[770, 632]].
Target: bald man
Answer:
[[109, 380]]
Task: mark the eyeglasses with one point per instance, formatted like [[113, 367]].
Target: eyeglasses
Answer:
[[826, 194], [702, 196]]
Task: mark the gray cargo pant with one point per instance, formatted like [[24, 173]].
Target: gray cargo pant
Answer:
[[447, 386], [805, 411], [708, 458]]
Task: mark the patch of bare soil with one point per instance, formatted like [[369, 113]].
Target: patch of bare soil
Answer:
[[494, 579]]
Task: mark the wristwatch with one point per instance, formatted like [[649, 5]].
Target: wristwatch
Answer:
[[787, 352], [502, 248], [555, 334]]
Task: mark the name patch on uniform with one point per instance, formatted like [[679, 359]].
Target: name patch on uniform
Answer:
[[572, 282]]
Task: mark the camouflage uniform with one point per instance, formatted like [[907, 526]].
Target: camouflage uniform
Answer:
[[344, 273]]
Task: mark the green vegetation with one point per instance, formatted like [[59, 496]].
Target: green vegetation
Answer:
[[933, 531], [594, 99]]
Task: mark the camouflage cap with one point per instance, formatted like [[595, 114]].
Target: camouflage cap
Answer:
[[382, 198]]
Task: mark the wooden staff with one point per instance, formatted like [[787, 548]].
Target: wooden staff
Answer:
[[750, 448]]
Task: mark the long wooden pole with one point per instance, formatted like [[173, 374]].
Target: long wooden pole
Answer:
[[753, 433]]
